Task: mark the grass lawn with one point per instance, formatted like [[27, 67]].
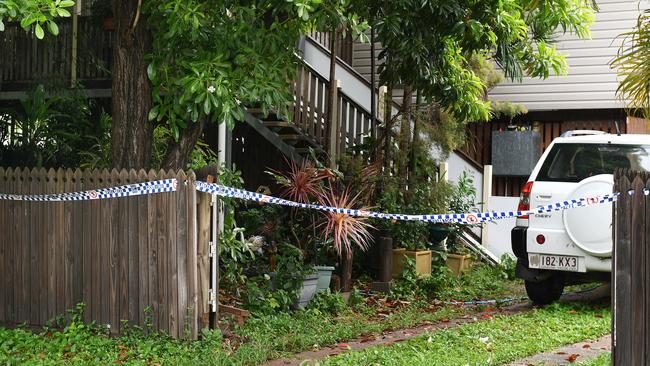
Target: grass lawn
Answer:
[[604, 359], [491, 342], [260, 339]]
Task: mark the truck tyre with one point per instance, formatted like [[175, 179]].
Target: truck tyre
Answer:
[[546, 291]]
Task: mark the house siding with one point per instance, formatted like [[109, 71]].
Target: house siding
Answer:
[[590, 82]]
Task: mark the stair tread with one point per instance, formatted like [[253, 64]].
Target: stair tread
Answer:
[[294, 136], [305, 150], [278, 124]]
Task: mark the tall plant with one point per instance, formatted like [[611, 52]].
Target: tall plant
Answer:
[[308, 184], [633, 65]]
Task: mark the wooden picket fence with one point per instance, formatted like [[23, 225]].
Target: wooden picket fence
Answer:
[[135, 258], [631, 270]]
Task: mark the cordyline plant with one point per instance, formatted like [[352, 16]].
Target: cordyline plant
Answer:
[[300, 183], [306, 183], [344, 229]]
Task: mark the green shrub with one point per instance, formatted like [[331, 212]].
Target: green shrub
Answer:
[[328, 302]]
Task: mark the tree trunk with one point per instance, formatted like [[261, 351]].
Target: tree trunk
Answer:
[[414, 144], [178, 153], [131, 132], [405, 135], [346, 271]]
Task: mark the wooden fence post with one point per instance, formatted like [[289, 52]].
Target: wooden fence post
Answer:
[[203, 232], [631, 270]]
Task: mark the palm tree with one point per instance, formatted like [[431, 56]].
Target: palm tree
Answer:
[[633, 64]]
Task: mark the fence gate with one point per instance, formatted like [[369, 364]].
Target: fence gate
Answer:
[[145, 259], [631, 270]]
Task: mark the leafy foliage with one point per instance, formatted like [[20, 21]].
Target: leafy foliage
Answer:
[[345, 230], [462, 200], [633, 65], [310, 184], [276, 292], [328, 303], [444, 36], [50, 130], [210, 60], [35, 14]]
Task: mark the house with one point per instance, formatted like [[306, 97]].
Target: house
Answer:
[[584, 99]]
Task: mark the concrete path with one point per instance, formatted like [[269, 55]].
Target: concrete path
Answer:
[[570, 354]]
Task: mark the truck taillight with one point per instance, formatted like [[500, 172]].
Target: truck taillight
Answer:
[[524, 199]]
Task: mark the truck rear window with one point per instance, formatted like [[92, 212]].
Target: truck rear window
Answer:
[[568, 162]]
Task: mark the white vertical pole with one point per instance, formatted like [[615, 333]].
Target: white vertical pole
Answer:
[[487, 193], [214, 292], [217, 215], [221, 157]]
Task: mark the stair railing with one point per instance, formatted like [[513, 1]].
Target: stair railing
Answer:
[[310, 111]]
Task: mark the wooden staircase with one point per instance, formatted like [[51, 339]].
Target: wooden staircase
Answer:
[[289, 133], [307, 131]]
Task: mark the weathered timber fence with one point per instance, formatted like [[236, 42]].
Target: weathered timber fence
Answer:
[[631, 270], [118, 256], [25, 58]]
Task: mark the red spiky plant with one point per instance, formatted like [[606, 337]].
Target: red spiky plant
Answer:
[[345, 230], [301, 182]]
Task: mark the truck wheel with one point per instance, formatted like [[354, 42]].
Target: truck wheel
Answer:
[[546, 291]]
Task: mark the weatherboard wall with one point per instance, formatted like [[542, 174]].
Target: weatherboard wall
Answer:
[[590, 82]]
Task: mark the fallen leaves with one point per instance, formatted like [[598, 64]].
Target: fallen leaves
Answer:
[[573, 357], [344, 346]]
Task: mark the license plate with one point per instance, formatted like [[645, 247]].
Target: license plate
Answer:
[[557, 262]]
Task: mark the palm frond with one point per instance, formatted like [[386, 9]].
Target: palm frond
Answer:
[[633, 66]]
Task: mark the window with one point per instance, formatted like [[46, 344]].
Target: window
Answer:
[[575, 162]]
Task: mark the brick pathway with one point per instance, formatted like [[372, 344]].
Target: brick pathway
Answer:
[[557, 357], [388, 338]]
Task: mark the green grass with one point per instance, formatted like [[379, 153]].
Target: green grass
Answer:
[[262, 338], [604, 359], [284, 334], [502, 339]]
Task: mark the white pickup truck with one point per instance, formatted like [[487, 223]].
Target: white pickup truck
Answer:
[[572, 246]]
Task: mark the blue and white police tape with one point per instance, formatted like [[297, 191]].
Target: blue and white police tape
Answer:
[[129, 190], [461, 218]]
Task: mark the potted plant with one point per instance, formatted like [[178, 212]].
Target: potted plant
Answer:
[[329, 233], [438, 234], [421, 257], [463, 200], [458, 260], [294, 276], [413, 243], [323, 254]]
